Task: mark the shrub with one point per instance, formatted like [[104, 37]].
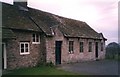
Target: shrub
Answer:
[[50, 64]]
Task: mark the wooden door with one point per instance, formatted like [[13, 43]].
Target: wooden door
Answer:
[[58, 45], [96, 49]]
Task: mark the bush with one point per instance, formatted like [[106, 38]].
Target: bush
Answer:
[[115, 57], [50, 64], [112, 51]]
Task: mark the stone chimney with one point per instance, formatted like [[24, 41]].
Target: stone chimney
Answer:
[[22, 3]]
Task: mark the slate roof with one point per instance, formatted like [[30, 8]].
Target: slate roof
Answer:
[[13, 18], [7, 34], [74, 28]]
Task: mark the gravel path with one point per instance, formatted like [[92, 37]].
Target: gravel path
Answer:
[[102, 67]]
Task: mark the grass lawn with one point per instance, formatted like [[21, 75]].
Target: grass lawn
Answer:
[[43, 70]]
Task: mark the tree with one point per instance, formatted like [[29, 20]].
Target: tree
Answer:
[[112, 50]]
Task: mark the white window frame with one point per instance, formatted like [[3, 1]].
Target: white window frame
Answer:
[[90, 46], [24, 53], [71, 51], [36, 39]]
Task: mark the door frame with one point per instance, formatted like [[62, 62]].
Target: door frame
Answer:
[[96, 50], [56, 54], [4, 53]]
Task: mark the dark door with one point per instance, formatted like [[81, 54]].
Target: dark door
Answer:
[[96, 49], [58, 52]]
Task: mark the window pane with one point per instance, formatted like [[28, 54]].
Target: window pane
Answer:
[[37, 38], [33, 37], [71, 46], [90, 46], [26, 47], [22, 46], [81, 46], [26, 50], [22, 50]]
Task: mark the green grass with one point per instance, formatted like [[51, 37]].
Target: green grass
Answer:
[[43, 70]]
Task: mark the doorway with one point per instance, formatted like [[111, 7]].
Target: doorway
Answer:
[[96, 49], [58, 45]]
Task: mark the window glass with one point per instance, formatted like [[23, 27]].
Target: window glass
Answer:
[[81, 46], [33, 37], [71, 46], [24, 48], [90, 47], [36, 39]]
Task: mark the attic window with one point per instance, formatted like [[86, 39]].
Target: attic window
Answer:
[[35, 39]]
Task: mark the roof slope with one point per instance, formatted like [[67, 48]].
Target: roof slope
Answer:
[[7, 34], [74, 28], [69, 27], [45, 21], [13, 18]]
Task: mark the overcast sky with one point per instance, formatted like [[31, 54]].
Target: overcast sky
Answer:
[[101, 15]]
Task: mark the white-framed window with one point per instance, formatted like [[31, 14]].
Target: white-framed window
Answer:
[[90, 47], [71, 46], [81, 47], [24, 48], [35, 39]]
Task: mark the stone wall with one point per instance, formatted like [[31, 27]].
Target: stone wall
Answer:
[[50, 44], [45, 51], [42, 49], [102, 53], [77, 56], [14, 59]]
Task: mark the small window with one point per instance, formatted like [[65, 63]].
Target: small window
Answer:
[[24, 48], [101, 46], [71, 43], [90, 47], [36, 39], [81, 47]]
